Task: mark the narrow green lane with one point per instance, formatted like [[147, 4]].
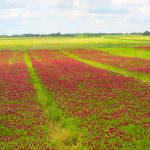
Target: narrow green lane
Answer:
[[127, 52]]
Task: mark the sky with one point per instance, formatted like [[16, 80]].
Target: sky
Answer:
[[74, 16]]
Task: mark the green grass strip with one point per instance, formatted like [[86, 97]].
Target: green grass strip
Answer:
[[128, 52], [136, 75], [62, 130], [42, 94]]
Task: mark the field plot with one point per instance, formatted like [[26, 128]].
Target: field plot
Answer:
[[144, 47], [127, 63], [113, 110], [5, 56], [23, 124]]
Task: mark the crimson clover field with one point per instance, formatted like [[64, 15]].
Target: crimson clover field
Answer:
[[75, 93]]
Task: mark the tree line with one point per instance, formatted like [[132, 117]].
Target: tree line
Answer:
[[146, 33]]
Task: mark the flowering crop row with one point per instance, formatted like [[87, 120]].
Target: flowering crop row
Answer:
[[113, 110], [128, 63], [10, 57], [5, 56], [23, 124], [143, 47]]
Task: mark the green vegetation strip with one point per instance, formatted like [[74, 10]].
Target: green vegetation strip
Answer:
[[62, 130], [128, 52], [139, 76]]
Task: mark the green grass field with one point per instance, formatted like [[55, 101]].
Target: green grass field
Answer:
[[73, 43]]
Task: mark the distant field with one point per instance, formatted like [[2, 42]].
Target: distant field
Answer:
[[83, 93], [72, 43]]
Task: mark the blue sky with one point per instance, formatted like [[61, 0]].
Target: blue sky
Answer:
[[71, 16]]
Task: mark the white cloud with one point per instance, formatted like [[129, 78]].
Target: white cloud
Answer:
[[74, 15], [129, 2], [79, 4], [145, 10], [9, 14]]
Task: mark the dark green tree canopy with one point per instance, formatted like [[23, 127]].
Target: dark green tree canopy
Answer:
[[146, 33]]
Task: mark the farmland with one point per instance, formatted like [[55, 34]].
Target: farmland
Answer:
[[75, 93]]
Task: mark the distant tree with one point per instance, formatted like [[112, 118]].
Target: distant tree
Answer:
[[136, 33], [55, 34], [146, 33]]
